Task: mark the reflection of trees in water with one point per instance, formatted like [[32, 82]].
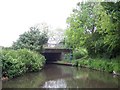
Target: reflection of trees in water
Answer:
[[104, 77], [29, 80], [67, 70], [82, 77], [58, 74], [86, 78], [79, 78], [0, 84], [53, 72]]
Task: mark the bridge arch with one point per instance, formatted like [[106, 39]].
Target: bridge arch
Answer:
[[53, 54]]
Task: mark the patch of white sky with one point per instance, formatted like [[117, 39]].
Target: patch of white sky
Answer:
[[17, 16]]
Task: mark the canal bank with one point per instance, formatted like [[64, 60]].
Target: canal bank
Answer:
[[86, 64]]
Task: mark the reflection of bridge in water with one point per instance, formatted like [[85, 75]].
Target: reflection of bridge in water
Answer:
[[55, 52]]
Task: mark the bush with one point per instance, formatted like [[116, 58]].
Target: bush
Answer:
[[99, 64], [17, 62], [67, 56], [79, 53]]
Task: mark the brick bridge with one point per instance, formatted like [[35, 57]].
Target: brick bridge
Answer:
[[54, 54]]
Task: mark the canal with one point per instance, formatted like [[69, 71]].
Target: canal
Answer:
[[59, 76]]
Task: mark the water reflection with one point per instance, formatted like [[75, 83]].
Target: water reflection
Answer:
[[60, 83], [58, 76], [29, 80], [0, 84]]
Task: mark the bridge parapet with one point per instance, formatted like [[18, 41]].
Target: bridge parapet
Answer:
[[57, 46], [56, 50]]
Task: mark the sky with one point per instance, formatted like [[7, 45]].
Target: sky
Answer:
[[17, 16]]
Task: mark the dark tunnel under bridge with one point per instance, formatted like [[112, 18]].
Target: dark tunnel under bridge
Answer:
[[53, 55]]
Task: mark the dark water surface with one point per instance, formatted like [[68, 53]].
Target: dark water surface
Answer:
[[59, 76]]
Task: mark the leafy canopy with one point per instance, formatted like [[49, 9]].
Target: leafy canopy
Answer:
[[33, 39], [95, 26]]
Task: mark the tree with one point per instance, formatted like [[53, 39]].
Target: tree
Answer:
[[113, 27], [81, 24], [33, 40], [95, 26]]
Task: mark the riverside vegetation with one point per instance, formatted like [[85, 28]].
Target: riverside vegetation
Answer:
[[95, 27], [93, 33], [81, 59], [24, 55], [101, 64], [18, 62]]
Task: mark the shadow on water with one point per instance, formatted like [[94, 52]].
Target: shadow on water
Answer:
[[58, 76]]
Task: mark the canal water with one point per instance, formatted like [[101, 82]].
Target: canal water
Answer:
[[59, 76]]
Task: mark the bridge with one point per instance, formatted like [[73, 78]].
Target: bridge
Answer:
[[55, 54]]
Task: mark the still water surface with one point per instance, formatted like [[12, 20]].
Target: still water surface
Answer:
[[59, 76]]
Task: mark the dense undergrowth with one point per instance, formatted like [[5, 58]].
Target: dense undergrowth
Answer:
[[102, 64], [81, 58], [17, 62]]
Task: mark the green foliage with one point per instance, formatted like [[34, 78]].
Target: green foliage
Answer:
[[80, 24], [79, 53], [95, 26], [67, 56], [99, 64], [113, 27], [0, 66], [33, 40], [17, 62]]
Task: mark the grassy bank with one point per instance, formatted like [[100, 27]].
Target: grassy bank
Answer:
[[17, 62], [101, 64], [107, 65]]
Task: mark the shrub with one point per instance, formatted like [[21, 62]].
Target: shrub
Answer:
[[67, 56], [99, 64], [17, 62], [79, 53], [33, 61]]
